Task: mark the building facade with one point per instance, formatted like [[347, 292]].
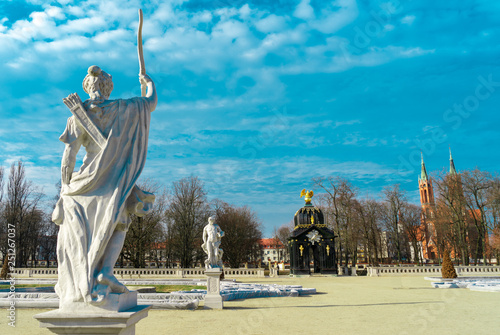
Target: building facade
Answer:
[[273, 251]]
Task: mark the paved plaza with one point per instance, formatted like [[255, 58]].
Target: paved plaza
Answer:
[[343, 305]]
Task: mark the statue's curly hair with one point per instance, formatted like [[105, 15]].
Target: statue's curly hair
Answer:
[[98, 80]]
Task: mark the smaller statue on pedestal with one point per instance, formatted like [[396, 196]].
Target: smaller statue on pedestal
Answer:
[[212, 235]]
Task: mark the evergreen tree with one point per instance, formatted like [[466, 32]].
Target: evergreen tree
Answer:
[[448, 270]]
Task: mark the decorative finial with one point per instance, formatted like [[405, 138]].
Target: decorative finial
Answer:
[[307, 195]]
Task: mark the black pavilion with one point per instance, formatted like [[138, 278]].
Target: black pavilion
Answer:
[[311, 241]]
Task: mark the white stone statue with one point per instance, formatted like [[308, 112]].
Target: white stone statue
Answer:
[[212, 235], [96, 201]]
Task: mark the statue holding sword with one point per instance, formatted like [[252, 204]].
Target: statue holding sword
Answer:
[[97, 200]]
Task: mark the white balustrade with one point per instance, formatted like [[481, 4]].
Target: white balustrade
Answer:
[[127, 273], [462, 271]]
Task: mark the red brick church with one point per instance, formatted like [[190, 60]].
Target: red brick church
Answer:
[[428, 230]]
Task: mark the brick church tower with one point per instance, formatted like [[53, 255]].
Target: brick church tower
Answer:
[[429, 248], [453, 171], [427, 228]]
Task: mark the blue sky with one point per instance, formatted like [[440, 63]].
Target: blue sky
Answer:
[[256, 98]]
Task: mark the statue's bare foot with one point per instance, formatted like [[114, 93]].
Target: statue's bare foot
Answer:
[[112, 282], [99, 295], [98, 300]]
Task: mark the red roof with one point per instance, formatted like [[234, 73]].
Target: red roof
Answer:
[[158, 245], [271, 243]]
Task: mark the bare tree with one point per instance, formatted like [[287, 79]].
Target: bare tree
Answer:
[[144, 233], [411, 219], [494, 213], [282, 234], [49, 232], [3, 225], [48, 240], [451, 215], [339, 203], [476, 185], [241, 233], [394, 200], [369, 212], [495, 243], [1, 183], [22, 213], [169, 245], [188, 213]]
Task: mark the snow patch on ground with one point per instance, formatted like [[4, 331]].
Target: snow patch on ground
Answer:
[[483, 284]]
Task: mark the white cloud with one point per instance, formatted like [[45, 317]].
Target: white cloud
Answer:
[[408, 19], [113, 36], [271, 23], [229, 30], [62, 45], [340, 14], [55, 12], [64, 2], [204, 16], [346, 123], [2, 27], [245, 11], [40, 26], [84, 25], [304, 10], [75, 10]]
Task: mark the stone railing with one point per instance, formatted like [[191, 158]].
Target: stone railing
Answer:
[[38, 272], [124, 273], [137, 273], [462, 271], [259, 272]]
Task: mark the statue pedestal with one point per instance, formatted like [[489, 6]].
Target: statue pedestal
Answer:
[[213, 299], [117, 316]]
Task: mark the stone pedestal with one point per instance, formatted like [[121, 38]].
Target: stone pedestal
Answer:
[[213, 299], [115, 302], [118, 315]]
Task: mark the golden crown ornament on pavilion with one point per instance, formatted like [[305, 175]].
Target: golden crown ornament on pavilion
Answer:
[[307, 195]]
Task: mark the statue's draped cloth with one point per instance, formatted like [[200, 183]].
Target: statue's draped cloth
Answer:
[[101, 195]]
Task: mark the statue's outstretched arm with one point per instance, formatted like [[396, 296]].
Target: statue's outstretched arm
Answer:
[[151, 90]]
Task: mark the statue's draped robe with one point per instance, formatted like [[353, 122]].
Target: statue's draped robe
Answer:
[[101, 195]]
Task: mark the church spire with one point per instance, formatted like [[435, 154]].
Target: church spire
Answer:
[[452, 165], [423, 174]]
